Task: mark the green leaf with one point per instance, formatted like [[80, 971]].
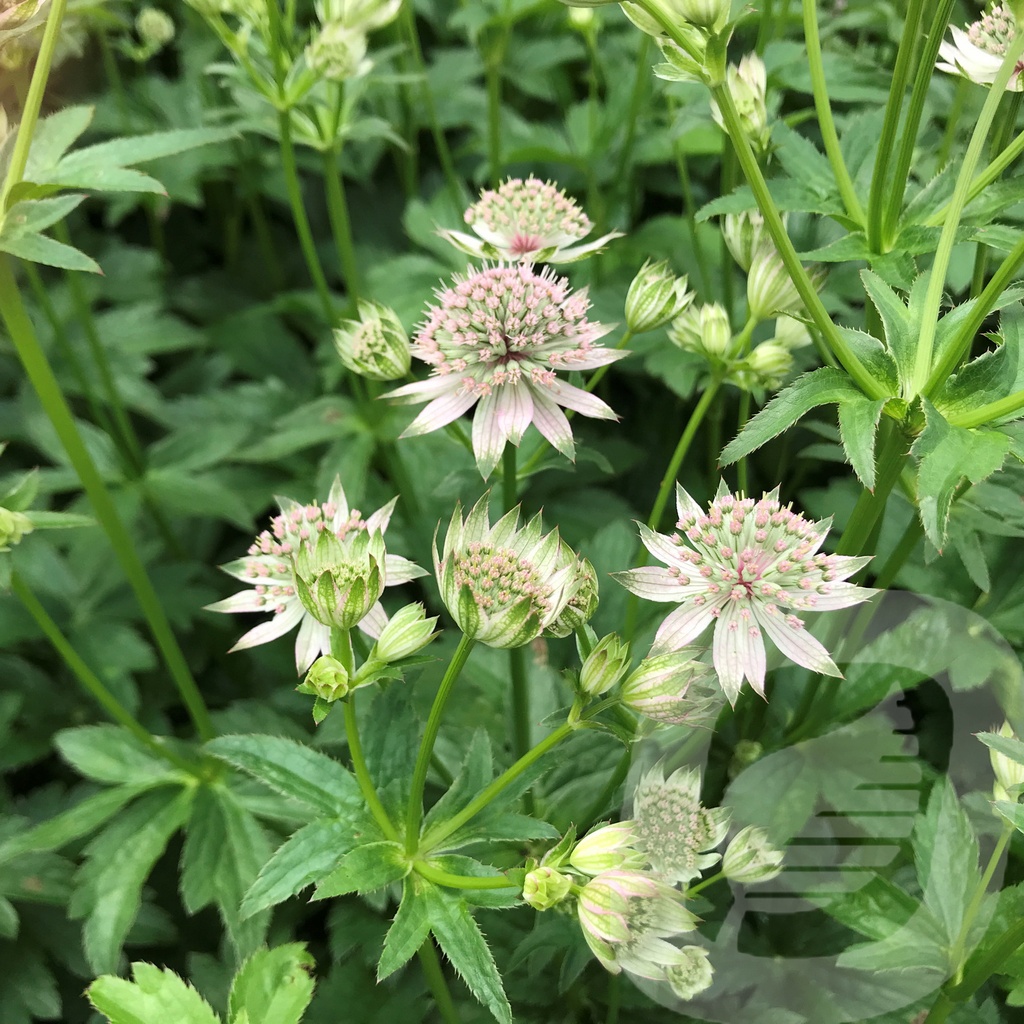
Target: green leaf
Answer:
[[365, 869], [55, 134], [461, 940], [477, 770], [1009, 746], [294, 770], [1013, 813], [273, 986], [858, 425], [819, 387], [308, 854], [156, 996], [118, 862], [409, 929], [109, 753], [35, 215], [223, 853], [40, 249], [80, 820], [900, 329], [946, 455]]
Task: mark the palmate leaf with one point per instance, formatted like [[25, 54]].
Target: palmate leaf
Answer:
[[155, 996]]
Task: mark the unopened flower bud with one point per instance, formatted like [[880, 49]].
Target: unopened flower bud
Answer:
[[1008, 773], [744, 754], [605, 849], [376, 345], [583, 19], [770, 289], [705, 330], [606, 664], [655, 297], [747, 84], [154, 27], [581, 604], [544, 888], [13, 55], [672, 688], [339, 581], [13, 526], [743, 233], [408, 631], [683, 65], [326, 679], [707, 14], [771, 362], [750, 858], [337, 52], [791, 333]]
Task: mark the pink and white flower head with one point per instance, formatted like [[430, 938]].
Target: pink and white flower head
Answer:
[[502, 585], [627, 918], [978, 53], [530, 221], [269, 570], [670, 827], [744, 566], [496, 341]]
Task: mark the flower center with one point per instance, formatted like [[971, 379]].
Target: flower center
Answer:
[[994, 32], [499, 578]]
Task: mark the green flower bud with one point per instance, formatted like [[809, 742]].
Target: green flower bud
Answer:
[[748, 85], [743, 233], [750, 858], [154, 27], [673, 688], [582, 602], [583, 19], [704, 330], [376, 345], [408, 631], [606, 849], [771, 362], [337, 53], [544, 888], [655, 297], [707, 14], [1008, 773], [679, 65], [339, 581], [606, 664], [326, 678], [770, 289], [13, 526]]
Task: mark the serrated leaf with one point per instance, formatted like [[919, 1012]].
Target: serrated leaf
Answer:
[[109, 753], [408, 931], [819, 387], [900, 329], [461, 940], [118, 863], [31, 216], [308, 854], [946, 455], [294, 770], [1009, 746], [1012, 812], [273, 986], [365, 869], [858, 426], [40, 249], [968, 547], [156, 996], [476, 771], [54, 135]]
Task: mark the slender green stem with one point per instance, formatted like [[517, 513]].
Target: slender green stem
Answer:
[[991, 173], [623, 172], [614, 999], [362, 773], [341, 226], [493, 66], [991, 411], [302, 228], [430, 962], [824, 109], [1006, 945], [704, 883], [937, 279], [91, 682], [881, 183], [956, 349], [682, 447], [41, 375], [414, 814], [440, 877], [437, 834], [764, 27], [33, 104], [742, 466], [509, 492], [870, 506]]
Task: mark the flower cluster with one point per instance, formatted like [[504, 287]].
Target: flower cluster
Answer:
[[270, 570], [530, 221], [742, 565], [497, 338], [978, 52]]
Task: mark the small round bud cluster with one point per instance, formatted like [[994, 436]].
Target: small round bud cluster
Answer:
[[770, 362], [995, 31], [154, 27], [1008, 772], [337, 52], [606, 664], [693, 976], [13, 527], [750, 858], [702, 329], [655, 297], [544, 887], [326, 679], [376, 345]]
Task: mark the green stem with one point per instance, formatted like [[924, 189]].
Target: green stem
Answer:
[[33, 104], [355, 749], [958, 347], [871, 505], [508, 477], [824, 109], [881, 183], [91, 682], [694, 889], [1004, 947], [991, 411], [441, 831], [446, 878], [764, 27], [493, 76], [414, 814], [431, 964], [341, 227], [944, 251], [40, 373], [305, 233], [742, 467], [636, 99]]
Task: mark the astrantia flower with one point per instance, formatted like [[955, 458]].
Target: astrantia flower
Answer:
[[751, 858], [529, 220], [627, 916], [497, 339], [503, 586], [740, 566], [674, 688], [269, 570], [583, 599], [672, 829], [978, 53]]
